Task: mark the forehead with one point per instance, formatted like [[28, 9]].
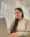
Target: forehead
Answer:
[[16, 11]]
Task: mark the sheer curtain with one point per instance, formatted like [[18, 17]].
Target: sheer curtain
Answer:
[[5, 12]]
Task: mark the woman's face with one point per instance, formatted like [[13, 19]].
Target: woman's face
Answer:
[[18, 14]]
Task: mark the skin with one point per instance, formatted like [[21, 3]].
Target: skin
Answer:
[[18, 15]]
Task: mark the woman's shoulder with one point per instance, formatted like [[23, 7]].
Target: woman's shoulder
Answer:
[[12, 21], [28, 20], [27, 24]]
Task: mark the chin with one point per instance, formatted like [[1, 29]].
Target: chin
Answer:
[[17, 17]]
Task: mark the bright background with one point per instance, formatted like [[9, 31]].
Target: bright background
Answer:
[[7, 9]]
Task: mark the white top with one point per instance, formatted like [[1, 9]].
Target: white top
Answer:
[[20, 28], [21, 25]]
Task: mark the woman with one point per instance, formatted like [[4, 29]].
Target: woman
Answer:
[[18, 26]]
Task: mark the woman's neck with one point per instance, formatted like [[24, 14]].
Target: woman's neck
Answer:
[[21, 19]]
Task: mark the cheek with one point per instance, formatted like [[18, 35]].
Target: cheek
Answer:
[[19, 15]]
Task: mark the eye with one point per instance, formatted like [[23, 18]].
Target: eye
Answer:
[[17, 12]]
